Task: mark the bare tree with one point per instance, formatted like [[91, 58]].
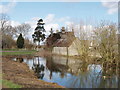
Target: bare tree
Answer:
[[11, 31], [5, 26], [7, 32], [7, 42], [4, 21], [83, 41], [28, 44], [106, 39], [23, 28]]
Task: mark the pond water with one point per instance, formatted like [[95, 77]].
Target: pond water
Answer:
[[72, 73]]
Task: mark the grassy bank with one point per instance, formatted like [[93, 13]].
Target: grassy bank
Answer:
[[18, 75], [9, 84], [17, 52]]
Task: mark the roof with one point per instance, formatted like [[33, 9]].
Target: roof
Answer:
[[66, 40]]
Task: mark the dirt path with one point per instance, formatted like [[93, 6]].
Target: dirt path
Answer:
[[20, 74]]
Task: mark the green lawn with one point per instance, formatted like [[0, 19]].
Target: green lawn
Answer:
[[10, 84], [17, 52], [4, 52]]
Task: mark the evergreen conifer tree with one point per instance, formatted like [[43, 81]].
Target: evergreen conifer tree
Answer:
[[39, 35], [20, 41]]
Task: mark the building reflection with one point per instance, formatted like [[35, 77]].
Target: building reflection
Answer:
[[55, 67], [81, 73], [86, 75]]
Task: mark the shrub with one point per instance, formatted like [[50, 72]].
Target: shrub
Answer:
[[20, 41]]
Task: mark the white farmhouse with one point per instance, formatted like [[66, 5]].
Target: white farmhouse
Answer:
[[67, 44]]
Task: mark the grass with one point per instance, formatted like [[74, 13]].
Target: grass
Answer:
[[10, 84], [17, 52]]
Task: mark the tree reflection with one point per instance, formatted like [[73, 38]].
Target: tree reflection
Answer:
[[110, 74], [19, 60], [82, 74], [83, 77], [38, 68], [91, 77], [118, 74]]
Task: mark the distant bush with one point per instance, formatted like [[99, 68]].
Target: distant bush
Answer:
[[7, 42], [28, 44]]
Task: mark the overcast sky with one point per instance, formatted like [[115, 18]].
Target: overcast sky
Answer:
[[58, 14]]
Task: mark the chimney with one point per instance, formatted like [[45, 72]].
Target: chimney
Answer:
[[51, 31], [63, 30], [73, 30], [57, 31]]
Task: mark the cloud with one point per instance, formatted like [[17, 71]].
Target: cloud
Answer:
[[79, 27], [69, 23], [56, 23], [50, 18], [50, 22], [63, 19], [8, 7], [45, 0], [14, 23], [112, 6], [54, 26]]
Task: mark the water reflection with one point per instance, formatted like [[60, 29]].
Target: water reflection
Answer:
[[55, 67], [19, 60], [111, 74], [75, 73], [38, 68]]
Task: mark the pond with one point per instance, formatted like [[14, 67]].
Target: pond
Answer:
[[72, 73]]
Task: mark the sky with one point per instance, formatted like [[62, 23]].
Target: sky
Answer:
[[58, 14]]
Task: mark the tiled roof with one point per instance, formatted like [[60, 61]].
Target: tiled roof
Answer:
[[66, 40]]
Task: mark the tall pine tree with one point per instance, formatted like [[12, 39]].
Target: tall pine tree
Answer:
[[39, 35]]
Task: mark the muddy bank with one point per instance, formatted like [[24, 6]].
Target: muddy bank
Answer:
[[18, 56], [20, 74]]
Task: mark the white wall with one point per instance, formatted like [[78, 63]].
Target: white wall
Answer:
[[72, 49], [60, 50]]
